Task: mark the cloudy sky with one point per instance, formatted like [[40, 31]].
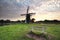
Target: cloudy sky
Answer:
[[44, 9]]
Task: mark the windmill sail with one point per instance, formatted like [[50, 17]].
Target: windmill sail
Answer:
[[28, 10]]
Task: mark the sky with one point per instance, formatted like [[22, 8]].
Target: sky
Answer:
[[44, 9]]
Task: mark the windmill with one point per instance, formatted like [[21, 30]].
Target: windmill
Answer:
[[28, 15]]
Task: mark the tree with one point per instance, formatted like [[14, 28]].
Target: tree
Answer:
[[32, 20]]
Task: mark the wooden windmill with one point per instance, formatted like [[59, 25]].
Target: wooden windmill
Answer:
[[28, 15]]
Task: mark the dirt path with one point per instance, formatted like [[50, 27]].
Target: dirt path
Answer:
[[39, 37], [36, 37]]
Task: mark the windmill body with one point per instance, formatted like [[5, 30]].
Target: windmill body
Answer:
[[27, 18]]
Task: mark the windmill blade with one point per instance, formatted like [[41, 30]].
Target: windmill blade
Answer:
[[23, 14], [32, 14], [27, 9], [27, 12]]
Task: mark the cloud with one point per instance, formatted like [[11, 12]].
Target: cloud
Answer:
[[13, 8], [51, 6], [10, 8]]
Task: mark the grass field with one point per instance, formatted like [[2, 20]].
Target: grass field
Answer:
[[19, 31]]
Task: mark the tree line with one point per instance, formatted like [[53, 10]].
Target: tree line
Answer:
[[49, 21], [6, 22]]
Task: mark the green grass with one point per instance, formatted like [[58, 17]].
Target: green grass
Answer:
[[19, 31]]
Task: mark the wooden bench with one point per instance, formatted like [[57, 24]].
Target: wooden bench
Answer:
[[39, 29]]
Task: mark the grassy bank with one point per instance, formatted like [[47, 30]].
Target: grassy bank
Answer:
[[19, 31]]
